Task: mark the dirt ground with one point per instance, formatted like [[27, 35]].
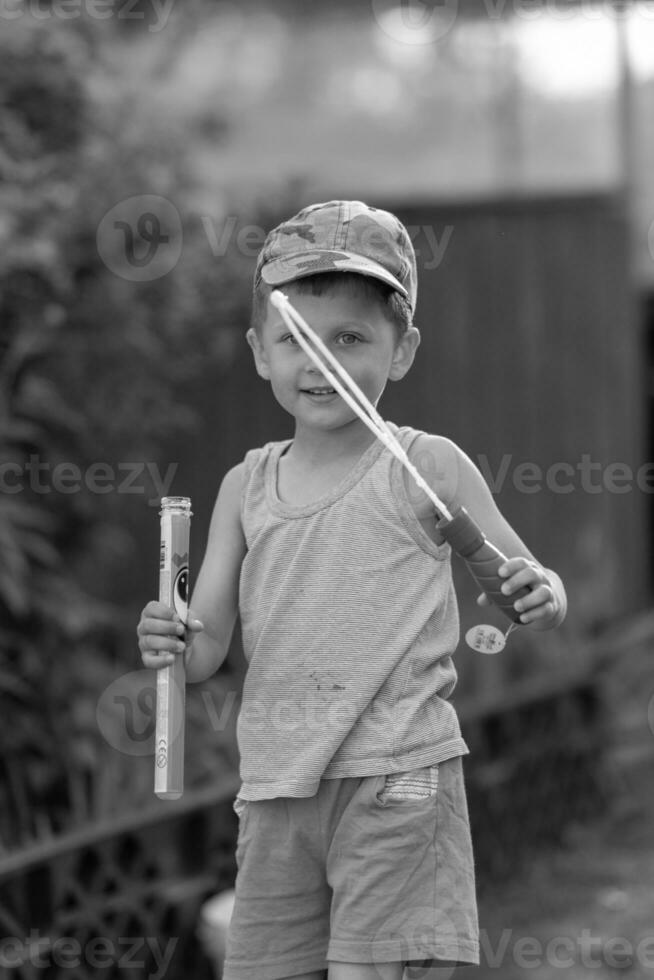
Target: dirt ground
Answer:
[[585, 910]]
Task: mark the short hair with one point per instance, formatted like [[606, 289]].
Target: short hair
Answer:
[[395, 307]]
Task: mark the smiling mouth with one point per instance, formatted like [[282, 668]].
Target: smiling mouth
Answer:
[[318, 391]]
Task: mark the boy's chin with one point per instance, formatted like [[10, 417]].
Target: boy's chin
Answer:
[[344, 420]]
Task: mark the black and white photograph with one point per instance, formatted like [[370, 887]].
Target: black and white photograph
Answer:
[[326, 490]]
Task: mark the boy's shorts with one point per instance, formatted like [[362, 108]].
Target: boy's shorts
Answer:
[[372, 869]]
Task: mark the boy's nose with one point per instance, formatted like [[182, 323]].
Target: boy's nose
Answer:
[[310, 368]]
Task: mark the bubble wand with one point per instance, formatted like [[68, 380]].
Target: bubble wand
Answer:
[[175, 516], [459, 529]]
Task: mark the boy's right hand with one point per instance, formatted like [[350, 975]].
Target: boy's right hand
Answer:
[[162, 636]]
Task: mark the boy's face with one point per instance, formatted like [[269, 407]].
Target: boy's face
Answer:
[[355, 330]]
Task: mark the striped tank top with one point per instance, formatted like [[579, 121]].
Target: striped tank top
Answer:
[[349, 621]]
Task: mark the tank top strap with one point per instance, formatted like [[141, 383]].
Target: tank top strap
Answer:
[[253, 498]]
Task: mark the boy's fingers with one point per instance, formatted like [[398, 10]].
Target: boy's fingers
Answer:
[[193, 626], [159, 610], [542, 611], [156, 661], [526, 576], [510, 566], [166, 644], [193, 623], [162, 627], [537, 597]]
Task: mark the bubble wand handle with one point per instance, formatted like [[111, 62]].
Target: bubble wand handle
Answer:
[[482, 559], [459, 529], [171, 681]]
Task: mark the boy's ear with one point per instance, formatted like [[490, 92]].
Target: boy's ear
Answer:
[[405, 351], [260, 359]]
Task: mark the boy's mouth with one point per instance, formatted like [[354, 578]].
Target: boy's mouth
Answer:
[[319, 392]]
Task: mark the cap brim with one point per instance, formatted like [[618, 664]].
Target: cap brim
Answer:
[[311, 263]]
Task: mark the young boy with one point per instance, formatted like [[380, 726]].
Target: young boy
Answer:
[[354, 850]]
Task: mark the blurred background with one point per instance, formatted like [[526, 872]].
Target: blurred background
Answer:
[[146, 147]]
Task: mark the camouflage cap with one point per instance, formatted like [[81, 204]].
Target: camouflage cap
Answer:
[[340, 236]]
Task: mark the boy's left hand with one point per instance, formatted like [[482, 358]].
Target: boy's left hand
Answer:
[[540, 607]]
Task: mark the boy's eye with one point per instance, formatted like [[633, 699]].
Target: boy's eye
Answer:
[[348, 339]]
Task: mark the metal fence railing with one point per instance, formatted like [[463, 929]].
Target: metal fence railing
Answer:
[[119, 899]]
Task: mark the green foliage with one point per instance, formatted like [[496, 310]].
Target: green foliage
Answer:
[[88, 367]]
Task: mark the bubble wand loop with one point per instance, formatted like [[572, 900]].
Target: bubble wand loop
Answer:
[[466, 538], [366, 410]]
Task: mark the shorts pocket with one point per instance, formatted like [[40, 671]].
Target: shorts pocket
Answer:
[[413, 786]]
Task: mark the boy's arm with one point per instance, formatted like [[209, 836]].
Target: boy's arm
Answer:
[[458, 482], [215, 596]]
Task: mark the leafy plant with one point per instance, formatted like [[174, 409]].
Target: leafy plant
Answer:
[[89, 362]]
